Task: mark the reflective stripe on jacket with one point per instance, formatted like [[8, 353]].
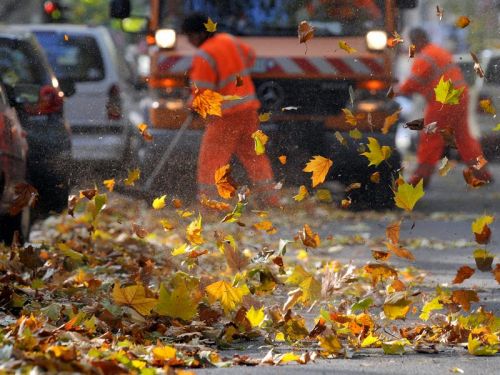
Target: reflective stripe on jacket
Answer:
[[216, 66], [428, 67]]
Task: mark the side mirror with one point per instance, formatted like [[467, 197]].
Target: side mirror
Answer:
[[119, 9], [67, 86], [406, 4]]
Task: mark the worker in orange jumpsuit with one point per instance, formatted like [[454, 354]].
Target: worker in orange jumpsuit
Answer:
[[432, 62], [222, 64]]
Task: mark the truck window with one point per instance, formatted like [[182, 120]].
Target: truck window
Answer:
[[73, 56], [280, 18]]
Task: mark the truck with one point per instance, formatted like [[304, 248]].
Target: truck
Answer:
[[325, 97]]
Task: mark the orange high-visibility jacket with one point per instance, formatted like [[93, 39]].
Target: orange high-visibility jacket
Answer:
[[429, 65], [218, 63]]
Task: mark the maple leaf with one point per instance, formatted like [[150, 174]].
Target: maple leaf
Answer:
[[110, 184], [400, 251], [487, 106], [407, 195], [394, 41], [390, 121], [346, 47], [260, 140], [255, 317], [159, 203], [330, 343], [135, 297], [463, 273], [430, 306], [181, 300], [305, 32], [210, 25], [224, 183], [481, 230], [208, 102], [264, 117], [193, 232], [471, 179], [25, 196], [396, 306], [446, 93], [462, 22], [376, 154], [379, 272], [349, 118], [164, 353], [380, 255], [143, 129], [308, 237], [486, 347], [229, 297], [464, 298], [133, 176], [319, 167], [302, 194]]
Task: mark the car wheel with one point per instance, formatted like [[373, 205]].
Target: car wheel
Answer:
[[11, 224]]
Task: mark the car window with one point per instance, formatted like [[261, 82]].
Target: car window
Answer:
[[73, 56], [19, 65], [492, 75]]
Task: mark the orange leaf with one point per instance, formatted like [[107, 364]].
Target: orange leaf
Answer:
[[380, 255], [208, 102], [216, 205], [110, 184], [463, 273], [400, 251], [319, 166], [305, 32], [308, 237], [224, 182], [380, 272], [471, 179], [462, 22], [464, 298], [375, 177], [390, 121], [25, 195], [282, 159], [143, 129], [496, 273], [392, 231]]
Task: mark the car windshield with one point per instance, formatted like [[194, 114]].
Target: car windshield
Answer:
[[18, 64], [72, 56], [280, 18]]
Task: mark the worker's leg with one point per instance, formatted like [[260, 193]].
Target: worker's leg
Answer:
[[258, 167], [217, 146]]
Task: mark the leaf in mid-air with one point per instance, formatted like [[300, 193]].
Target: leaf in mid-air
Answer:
[[133, 176], [462, 22], [446, 93], [229, 296], [305, 32], [193, 232], [407, 195], [210, 25], [346, 47], [255, 317], [207, 102], [224, 183], [303, 193], [319, 167], [376, 154], [260, 140], [463, 273], [159, 203]]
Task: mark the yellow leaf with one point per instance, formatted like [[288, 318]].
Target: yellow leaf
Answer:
[[255, 317], [487, 106], [110, 184], [445, 167], [407, 195], [282, 159], [181, 299], [324, 195], [462, 22], [210, 25], [135, 297], [207, 102], [280, 337], [389, 121], [193, 232], [159, 203], [396, 308], [330, 344], [430, 306], [224, 183], [311, 289], [346, 47], [349, 118], [166, 224], [287, 357], [319, 166], [303, 193], [446, 93], [355, 134], [164, 353], [229, 297], [370, 340], [260, 140], [265, 225], [496, 128], [143, 129], [179, 250], [263, 117], [479, 348], [396, 347], [133, 176], [376, 154]]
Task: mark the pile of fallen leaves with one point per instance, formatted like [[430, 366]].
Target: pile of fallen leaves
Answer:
[[114, 286]]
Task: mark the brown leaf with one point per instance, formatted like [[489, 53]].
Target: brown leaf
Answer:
[[439, 12], [305, 32], [308, 237], [72, 202], [353, 186], [390, 93], [464, 298], [390, 121], [139, 230], [239, 81], [462, 22], [375, 177], [463, 273], [417, 124], [400, 251], [30, 258], [381, 255], [380, 272], [88, 193], [392, 231], [25, 195], [471, 179], [477, 65], [496, 273], [411, 51], [483, 238]]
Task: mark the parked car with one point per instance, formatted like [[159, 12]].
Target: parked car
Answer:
[[99, 112], [489, 88], [38, 100], [13, 150]]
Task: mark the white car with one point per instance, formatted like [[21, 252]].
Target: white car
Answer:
[[100, 110]]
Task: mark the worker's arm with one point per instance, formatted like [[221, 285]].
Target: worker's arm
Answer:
[[203, 73], [419, 79], [248, 54]]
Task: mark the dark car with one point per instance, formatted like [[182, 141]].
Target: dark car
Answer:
[[39, 102], [13, 149]]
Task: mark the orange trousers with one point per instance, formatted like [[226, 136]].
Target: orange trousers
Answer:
[[452, 118], [227, 136]]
